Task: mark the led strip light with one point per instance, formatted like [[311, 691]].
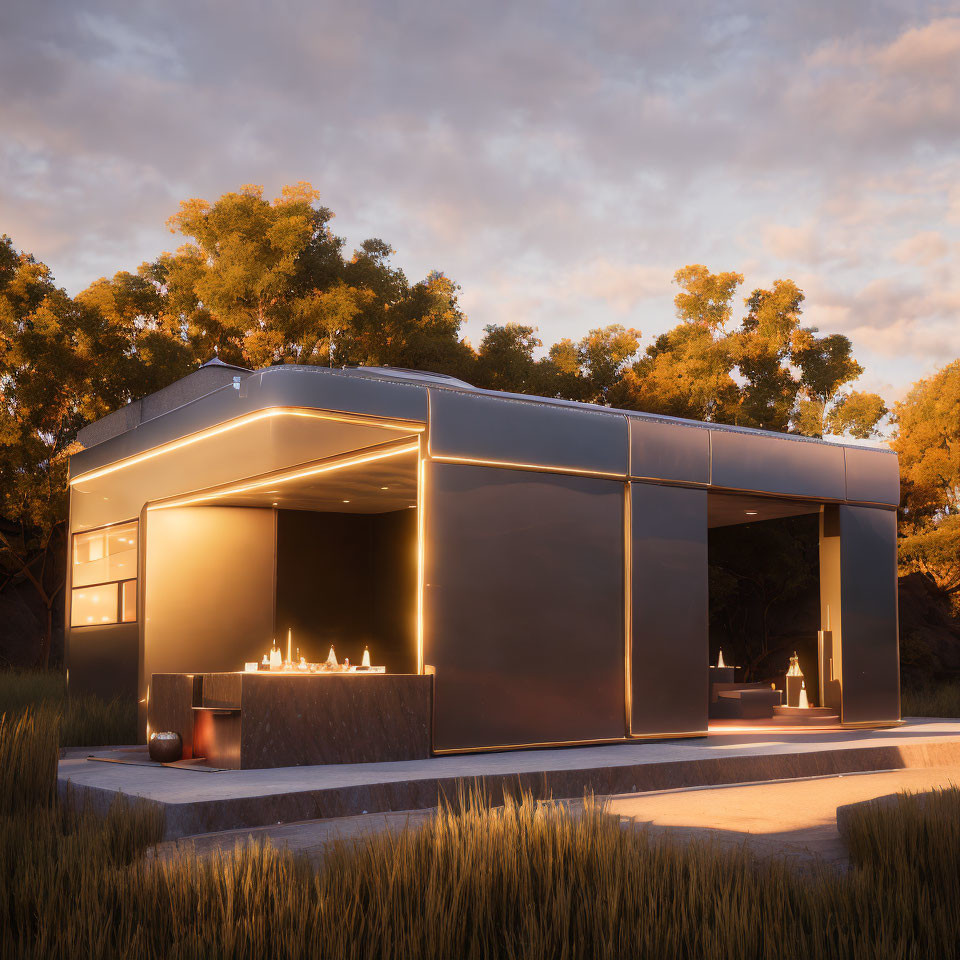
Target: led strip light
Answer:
[[534, 467], [242, 422], [276, 479]]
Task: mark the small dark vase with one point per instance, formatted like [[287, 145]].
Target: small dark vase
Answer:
[[166, 746]]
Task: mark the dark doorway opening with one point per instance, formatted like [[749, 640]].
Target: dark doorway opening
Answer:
[[349, 581], [764, 571]]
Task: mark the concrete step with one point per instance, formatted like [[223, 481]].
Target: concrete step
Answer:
[[211, 801]]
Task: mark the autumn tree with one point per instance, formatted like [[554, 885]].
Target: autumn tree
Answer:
[[590, 369], [767, 371], [762, 354], [826, 367], [505, 358], [63, 363], [928, 444], [265, 273], [687, 372]]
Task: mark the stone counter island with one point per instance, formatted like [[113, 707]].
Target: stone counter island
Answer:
[[246, 720]]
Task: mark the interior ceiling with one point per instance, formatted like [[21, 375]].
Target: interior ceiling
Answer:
[[727, 509], [378, 486]]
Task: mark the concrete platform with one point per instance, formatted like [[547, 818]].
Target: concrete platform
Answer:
[[801, 821], [197, 803]]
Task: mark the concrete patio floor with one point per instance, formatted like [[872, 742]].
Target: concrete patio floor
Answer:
[[198, 802], [793, 819]]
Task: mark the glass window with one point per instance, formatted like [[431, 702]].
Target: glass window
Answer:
[[105, 576], [128, 601], [105, 555], [94, 605]]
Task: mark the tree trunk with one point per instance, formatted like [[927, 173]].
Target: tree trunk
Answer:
[[47, 640]]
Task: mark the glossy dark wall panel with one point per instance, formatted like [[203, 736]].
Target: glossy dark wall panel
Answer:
[[873, 476], [869, 628], [669, 451], [104, 660], [483, 427], [774, 464], [523, 606], [670, 609], [337, 390]]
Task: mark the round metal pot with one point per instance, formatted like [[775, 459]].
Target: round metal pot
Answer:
[[166, 746]]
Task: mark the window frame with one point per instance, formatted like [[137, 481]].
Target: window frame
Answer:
[[119, 583]]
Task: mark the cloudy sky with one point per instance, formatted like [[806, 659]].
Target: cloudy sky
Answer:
[[560, 161]]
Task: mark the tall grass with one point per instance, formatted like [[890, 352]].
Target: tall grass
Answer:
[[933, 700], [86, 721], [527, 879], [28, 758]]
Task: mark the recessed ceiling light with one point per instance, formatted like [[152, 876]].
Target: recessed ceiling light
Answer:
[[384, 488], [751, 513], [274, 503], [346, 501]]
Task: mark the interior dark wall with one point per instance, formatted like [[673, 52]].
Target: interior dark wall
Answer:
[[765, 597], [348, 580]]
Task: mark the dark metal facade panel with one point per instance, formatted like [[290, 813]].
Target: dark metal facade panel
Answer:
[[868, 619], [337, 390], [670, 650], [523, 606], [312, 388], [776, 465], [667, 451], [873, 476], [484, 427], [104, 660]]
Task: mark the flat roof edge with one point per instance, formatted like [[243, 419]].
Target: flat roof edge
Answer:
[[200, 383], [213, 378]]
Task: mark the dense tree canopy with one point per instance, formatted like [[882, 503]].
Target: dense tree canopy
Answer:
[[928, 444], [768, 372], [259, 282]]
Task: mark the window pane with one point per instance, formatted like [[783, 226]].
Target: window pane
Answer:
[[122, 565], [128, 601], [103, 555], [89, 558], [91, 605]]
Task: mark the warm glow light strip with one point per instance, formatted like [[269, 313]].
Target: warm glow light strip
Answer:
[[867, 724], [325, 467], [572, 743], [538, 468], [628, 606], [421, 540], [242, 422]]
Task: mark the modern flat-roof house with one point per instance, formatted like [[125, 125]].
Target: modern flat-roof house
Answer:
[[540, 565]]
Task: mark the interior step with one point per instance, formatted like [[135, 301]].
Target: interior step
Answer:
[[803, 715]]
